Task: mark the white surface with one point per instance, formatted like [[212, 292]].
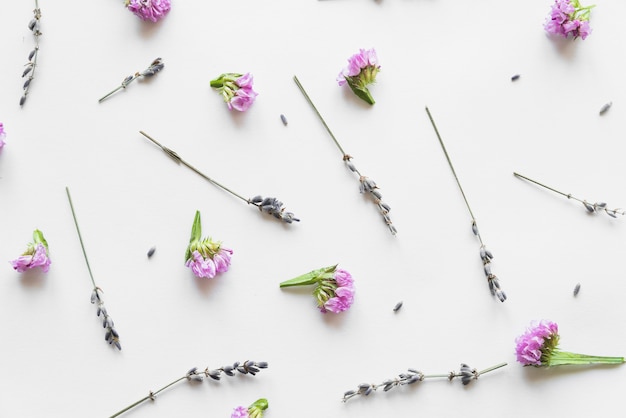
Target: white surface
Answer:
[[456, 57]]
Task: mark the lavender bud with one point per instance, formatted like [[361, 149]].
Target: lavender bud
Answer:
[[589, 207], [474, 228], [27, 70], [32, 54]]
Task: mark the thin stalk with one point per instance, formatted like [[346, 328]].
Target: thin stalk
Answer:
[[568, 195], [492, 368], [80, 238], [150, 396]]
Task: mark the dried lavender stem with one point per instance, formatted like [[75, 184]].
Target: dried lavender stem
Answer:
[[156, 66], [118, 88], [485, 255], [32, 58], [492, 368], [595, 207], [80, 238], [150, 396]]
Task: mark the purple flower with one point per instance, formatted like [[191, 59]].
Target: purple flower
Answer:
[[361, 71], [334, 289], [240, 412], [206, 257], [153, 10], [538, 346], [236, 89], [253, 411], [3, 135], [568, 18], [36, 255]]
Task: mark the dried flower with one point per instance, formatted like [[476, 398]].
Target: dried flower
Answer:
[[591, 207], [36, 254], [485, 255], [236, 89], [111, 335], [361, 71], [269, 205], [153, 10], [156, 66], [538, 346], [466, 373], [3, 135], [31, 65], [253, 411], [334, 290], [193, 375], [206, 257], [569, 18], [365, 184]]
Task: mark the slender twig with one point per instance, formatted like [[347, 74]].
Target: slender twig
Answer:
[[365, 183], [269, 205], [247, 367], [591, 207], [156, 66], [466, 373], [485, 255], [111, 335], [31, 65]]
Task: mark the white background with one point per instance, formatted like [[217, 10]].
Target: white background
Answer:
[[457, 58]]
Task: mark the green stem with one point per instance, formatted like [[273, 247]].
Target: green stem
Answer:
[[311, 277], [80, 238], [560, 358], [150, 396]]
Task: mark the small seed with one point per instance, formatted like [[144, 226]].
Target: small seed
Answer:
[[284, 119], [515, 77], [397, 307], [605, 108], [577, 289], [151, 252]]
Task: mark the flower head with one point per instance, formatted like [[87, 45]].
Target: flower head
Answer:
[[334, 289], [236, 89], [36, 255], [153, 10], [569, 18], [253, 411], [3, 135], [206, 257], [361, 71]]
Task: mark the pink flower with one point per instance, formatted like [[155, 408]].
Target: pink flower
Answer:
[[236, 89], [361, 71], [240, 412], [153, 10], [3, 135], [534, 347], [36, 255], [206, 257], [569, 18], [344, 293]]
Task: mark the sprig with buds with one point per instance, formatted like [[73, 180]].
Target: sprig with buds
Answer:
[[110, 335], [193, 375], [269, 205], [591, 207], [485, 254], [466, 374], [366, 184], [31, 65], [156, 66]]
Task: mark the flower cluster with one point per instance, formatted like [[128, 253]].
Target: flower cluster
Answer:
[[156, 66], [274, 207], [31, 65], [361, 71], [236, 89], [3, 135], [253, 411], [206, 257], [569, 18], [153, 10], [36, 255], [538, 346], [334, 291]]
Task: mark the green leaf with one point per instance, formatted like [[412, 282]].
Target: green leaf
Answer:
[[260, 404], [196, 229], [311, 277], [38, 238], [363, 93]]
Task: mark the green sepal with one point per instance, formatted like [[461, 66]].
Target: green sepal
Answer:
[[362, 93], [311, 277], [218, 82], [560, 358], [260, 404], [196, 234], [39, 239]]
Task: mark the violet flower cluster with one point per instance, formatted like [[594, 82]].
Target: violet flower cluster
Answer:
[[153, 10], [205, 257], [236, 89], [361, 71], [568, 18], [3, 135], [36, 255], [253, 411], [538, 346], [334, 291]]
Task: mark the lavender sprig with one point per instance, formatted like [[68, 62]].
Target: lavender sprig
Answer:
[[110, 335], [156, 66], [466, 373], [193, 375], [485, 255], [31, 65], [269, 205], [365, 183], [591, 207]]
